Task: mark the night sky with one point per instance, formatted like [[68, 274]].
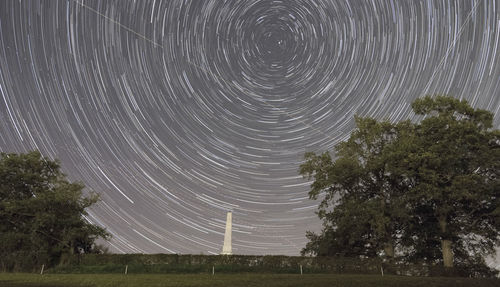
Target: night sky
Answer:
[[178, 111]]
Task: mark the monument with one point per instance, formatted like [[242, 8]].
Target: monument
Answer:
[[226, 249]]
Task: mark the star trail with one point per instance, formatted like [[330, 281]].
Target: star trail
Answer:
[[178, 111]]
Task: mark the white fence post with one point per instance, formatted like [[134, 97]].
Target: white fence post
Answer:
[[126, 269], [41, 271]]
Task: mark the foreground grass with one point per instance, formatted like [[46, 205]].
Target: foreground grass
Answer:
[[233, 280]]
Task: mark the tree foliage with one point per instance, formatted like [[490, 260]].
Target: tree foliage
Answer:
[[428, 191], [453, 163], [41, 212], [359, 187]]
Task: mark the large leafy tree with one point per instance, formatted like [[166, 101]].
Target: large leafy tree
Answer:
[[429, 190], [361, 207], [453, 164], [41, 212]]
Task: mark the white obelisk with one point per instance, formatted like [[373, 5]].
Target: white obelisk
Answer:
[[226, 249]]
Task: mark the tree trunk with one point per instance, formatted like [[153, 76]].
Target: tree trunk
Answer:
[[388, 246], [447, 253], [446, 247]]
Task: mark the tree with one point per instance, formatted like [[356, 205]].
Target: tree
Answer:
[[454, 164], [41, 212], [358, 188], [429, 190]]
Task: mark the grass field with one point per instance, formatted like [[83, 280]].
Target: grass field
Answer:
[[232, 280]]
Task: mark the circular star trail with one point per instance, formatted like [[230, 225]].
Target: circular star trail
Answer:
[[179, 111]]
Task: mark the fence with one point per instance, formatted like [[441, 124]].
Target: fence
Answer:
[[174, 263]]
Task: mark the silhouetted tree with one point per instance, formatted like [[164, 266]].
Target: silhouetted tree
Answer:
[[41, 212], [429, 190]]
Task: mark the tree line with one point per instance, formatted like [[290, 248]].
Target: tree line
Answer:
[[425, 191]]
